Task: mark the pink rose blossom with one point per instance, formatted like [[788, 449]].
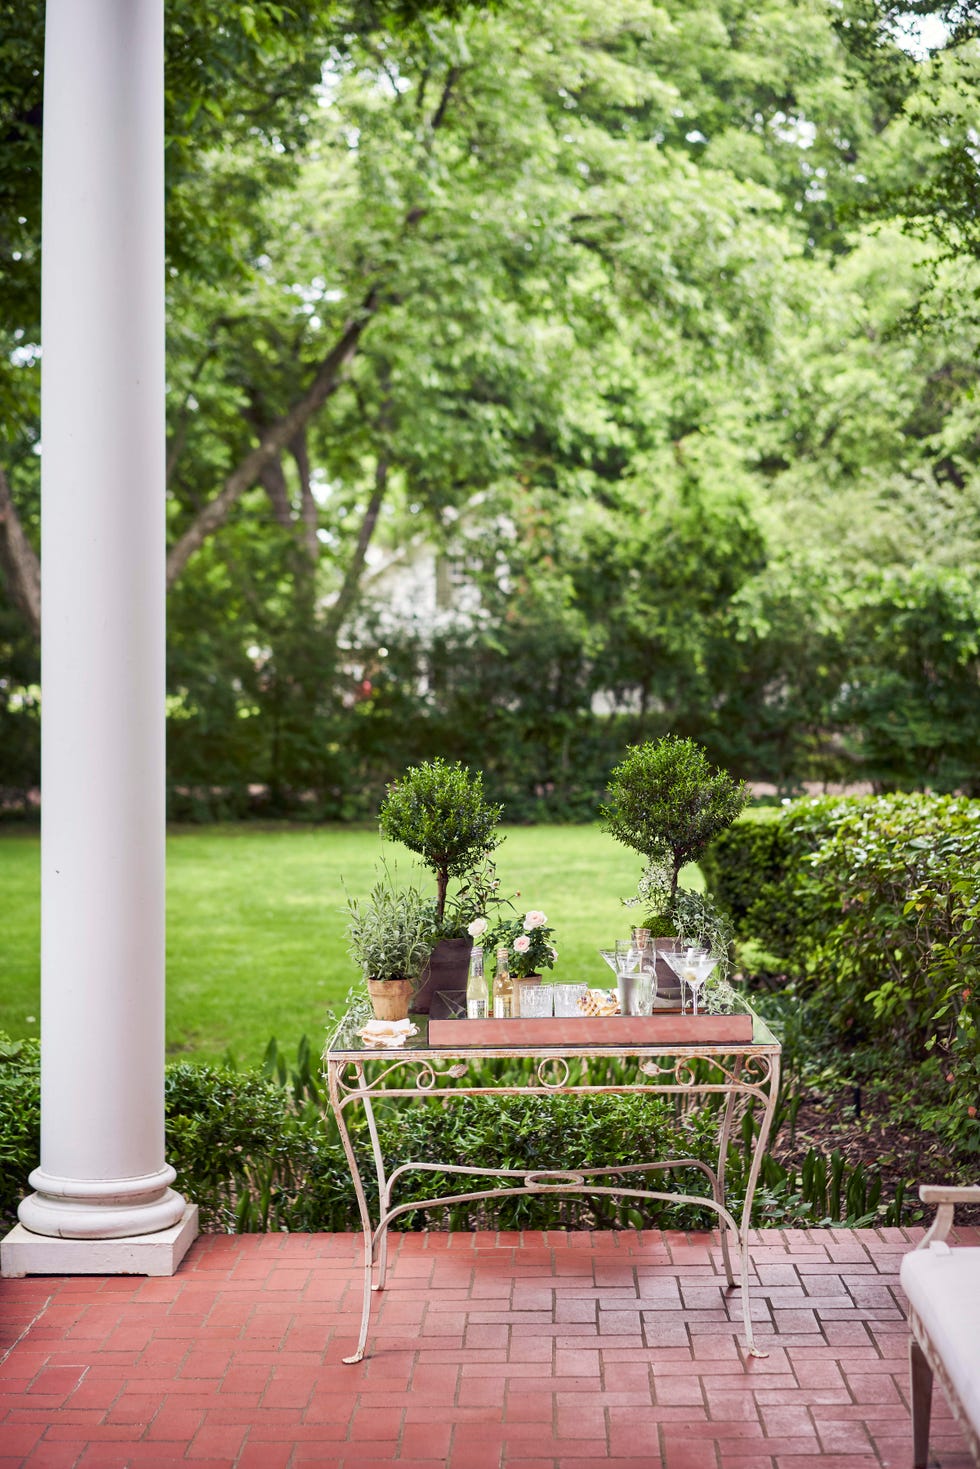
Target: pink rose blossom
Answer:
[[535, 919], [522, 944]]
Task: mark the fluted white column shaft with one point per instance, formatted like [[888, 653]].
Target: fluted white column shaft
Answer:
[[102, 1172]]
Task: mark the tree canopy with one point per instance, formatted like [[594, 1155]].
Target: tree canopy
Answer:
[[651, 326]]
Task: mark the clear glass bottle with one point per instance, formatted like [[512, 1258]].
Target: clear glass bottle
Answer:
[[503, 987], [477, 994]]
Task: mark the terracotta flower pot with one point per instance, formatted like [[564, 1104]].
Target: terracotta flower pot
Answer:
[[446, 969], [390, 998]]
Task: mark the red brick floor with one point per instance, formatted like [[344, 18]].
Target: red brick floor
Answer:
[[547, 1351]]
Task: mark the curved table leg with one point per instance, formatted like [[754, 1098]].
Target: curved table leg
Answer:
[[381, 1239], [724, 1138], [366, 1226], [758, 1152]]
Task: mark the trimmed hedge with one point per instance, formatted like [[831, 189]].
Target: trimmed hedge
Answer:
[[873, 907]]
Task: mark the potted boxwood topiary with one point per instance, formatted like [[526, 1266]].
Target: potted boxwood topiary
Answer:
[[388, 936], [439, 811], [668, 802]]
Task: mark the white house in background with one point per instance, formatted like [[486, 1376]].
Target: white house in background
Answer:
[[418, 581], [420, 585], [423, 589]]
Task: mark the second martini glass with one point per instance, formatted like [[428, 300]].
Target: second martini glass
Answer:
[[692, 967]]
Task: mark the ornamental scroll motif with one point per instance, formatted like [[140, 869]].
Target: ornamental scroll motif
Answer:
[[425, 1076], [404, 1075], [751, 1074], [430, 1075]]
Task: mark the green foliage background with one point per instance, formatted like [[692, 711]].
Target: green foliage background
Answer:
[[659, 386]]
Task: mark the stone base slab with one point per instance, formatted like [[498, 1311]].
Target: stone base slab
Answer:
[[24, 1253]]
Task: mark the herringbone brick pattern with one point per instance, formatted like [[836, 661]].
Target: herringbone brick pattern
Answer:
[[542, 1351]]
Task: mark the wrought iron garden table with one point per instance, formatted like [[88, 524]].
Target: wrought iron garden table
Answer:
[[737, 1072]]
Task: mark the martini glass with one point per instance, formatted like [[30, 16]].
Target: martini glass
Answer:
[[610, 957], [692, 967]]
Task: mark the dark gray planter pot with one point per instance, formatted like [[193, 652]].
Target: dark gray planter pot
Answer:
[[447, 969]]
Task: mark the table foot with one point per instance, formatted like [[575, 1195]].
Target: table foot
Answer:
[[357, 1357], [753, 1352]]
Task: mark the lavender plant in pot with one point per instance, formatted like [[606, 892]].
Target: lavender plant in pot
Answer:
[[388, 939], [439, 811], [668, 802]]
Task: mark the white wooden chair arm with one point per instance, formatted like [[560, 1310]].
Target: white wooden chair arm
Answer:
[[946, 1197]]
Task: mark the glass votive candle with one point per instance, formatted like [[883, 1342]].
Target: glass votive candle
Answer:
[[535, 1000], [567, 997]]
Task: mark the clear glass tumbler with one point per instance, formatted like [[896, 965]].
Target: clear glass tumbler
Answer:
[[567, 997], [536, 1000]]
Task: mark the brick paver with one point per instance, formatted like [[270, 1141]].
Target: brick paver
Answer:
[[543, 1351]]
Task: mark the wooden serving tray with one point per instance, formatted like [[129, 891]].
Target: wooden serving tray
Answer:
[[594, 1030]]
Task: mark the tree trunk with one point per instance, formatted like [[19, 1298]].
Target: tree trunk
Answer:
[[274, 483], [347, 595], [19, 560]]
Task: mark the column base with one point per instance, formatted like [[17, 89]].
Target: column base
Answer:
[[25, 1253]]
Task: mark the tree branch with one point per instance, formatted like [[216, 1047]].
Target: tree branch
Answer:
[[19, 561], [438, 117], [275, 438], [271, 476], [309, 513]]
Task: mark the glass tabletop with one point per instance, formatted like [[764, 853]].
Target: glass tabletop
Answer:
[[346, 1044]]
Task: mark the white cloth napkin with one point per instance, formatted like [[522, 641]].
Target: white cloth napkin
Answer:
[[387, 1033]]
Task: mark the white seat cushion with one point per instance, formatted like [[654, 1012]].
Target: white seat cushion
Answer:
[[943, 1287]]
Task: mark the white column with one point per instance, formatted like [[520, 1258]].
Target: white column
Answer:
[[103, 1176]]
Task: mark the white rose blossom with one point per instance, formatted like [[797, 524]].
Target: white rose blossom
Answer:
[[522, 944], [535, 919], [477, 928]]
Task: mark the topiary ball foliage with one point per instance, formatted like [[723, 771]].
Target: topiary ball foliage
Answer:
[[439, 811], [667, 802]]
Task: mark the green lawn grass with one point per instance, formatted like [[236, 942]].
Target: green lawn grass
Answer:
[[255, 923]]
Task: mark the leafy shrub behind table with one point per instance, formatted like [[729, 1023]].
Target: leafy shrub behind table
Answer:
[[873, 904], [260, 1151]]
